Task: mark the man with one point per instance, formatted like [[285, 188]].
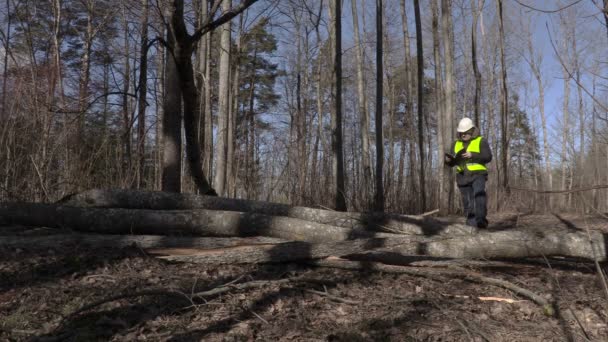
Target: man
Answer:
[[470, 154]]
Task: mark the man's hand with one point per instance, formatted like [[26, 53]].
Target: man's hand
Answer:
[[467, 155], [447, 158]]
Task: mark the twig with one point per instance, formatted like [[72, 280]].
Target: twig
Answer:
[[337, 299], [258, 316], [429, 213]]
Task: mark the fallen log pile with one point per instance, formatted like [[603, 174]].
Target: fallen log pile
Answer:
[[296, 230], [212, 230]]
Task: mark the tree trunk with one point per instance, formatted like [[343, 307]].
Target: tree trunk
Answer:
[[565, 133], [221, 148], [477, 103], [336, 119], [208, 145], [172, 121], [502, 244], [408, 112], [379, 196], [504, 103], [191, 222], [126, 110], [122, 241], [182, 52], [444, 177], [535, 66], [362, 106], [143, 91], [450, 87], [420, 57], [171, 201], [7, 41]]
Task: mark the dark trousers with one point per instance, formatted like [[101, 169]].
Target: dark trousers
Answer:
[[474, 201]]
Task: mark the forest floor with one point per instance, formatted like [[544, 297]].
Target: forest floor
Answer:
[[40, 290]]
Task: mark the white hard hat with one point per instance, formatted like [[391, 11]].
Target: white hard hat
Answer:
[[464, 125]]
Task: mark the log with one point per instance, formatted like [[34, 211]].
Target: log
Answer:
[[121, 241], [399, 250], [156, 200], [277, 253], [190, 222]]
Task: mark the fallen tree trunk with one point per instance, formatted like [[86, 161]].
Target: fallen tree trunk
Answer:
[[191, 222], [277, 253], [121, 241], [156, 200], [399, 250]]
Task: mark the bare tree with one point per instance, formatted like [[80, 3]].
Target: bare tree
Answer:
[[143, 93], [172, 120], [379, 197], [449, 86], [409, 103], [221, 147], [362, 102], [477, 103], [420, 57], [336, 119], [7, 40], [504, 103], [535, 62]]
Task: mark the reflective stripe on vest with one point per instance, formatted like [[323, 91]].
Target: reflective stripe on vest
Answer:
[[474, 146]]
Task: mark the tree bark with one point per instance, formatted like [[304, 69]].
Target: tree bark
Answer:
[[444, 172], [420, 58], [379, 195], [221, 147], [336, 119], [362, 105], [387, 247], [170, 201], [504, 103], [450, 87], [477, 104], [171, 121], [192, 222], [409, 103], [121, 241], [142, 98]]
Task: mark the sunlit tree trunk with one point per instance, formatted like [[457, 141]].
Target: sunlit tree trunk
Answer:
[[535, 66], [362, 104], [407, 114], [221, 148], [449, 86], [443, 179]]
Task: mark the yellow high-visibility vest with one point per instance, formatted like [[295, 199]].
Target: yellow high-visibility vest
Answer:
[[474, 146]]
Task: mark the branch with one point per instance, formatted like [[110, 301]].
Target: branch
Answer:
[[561, 61], [561, 191], [548, 11], [227, 16]]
